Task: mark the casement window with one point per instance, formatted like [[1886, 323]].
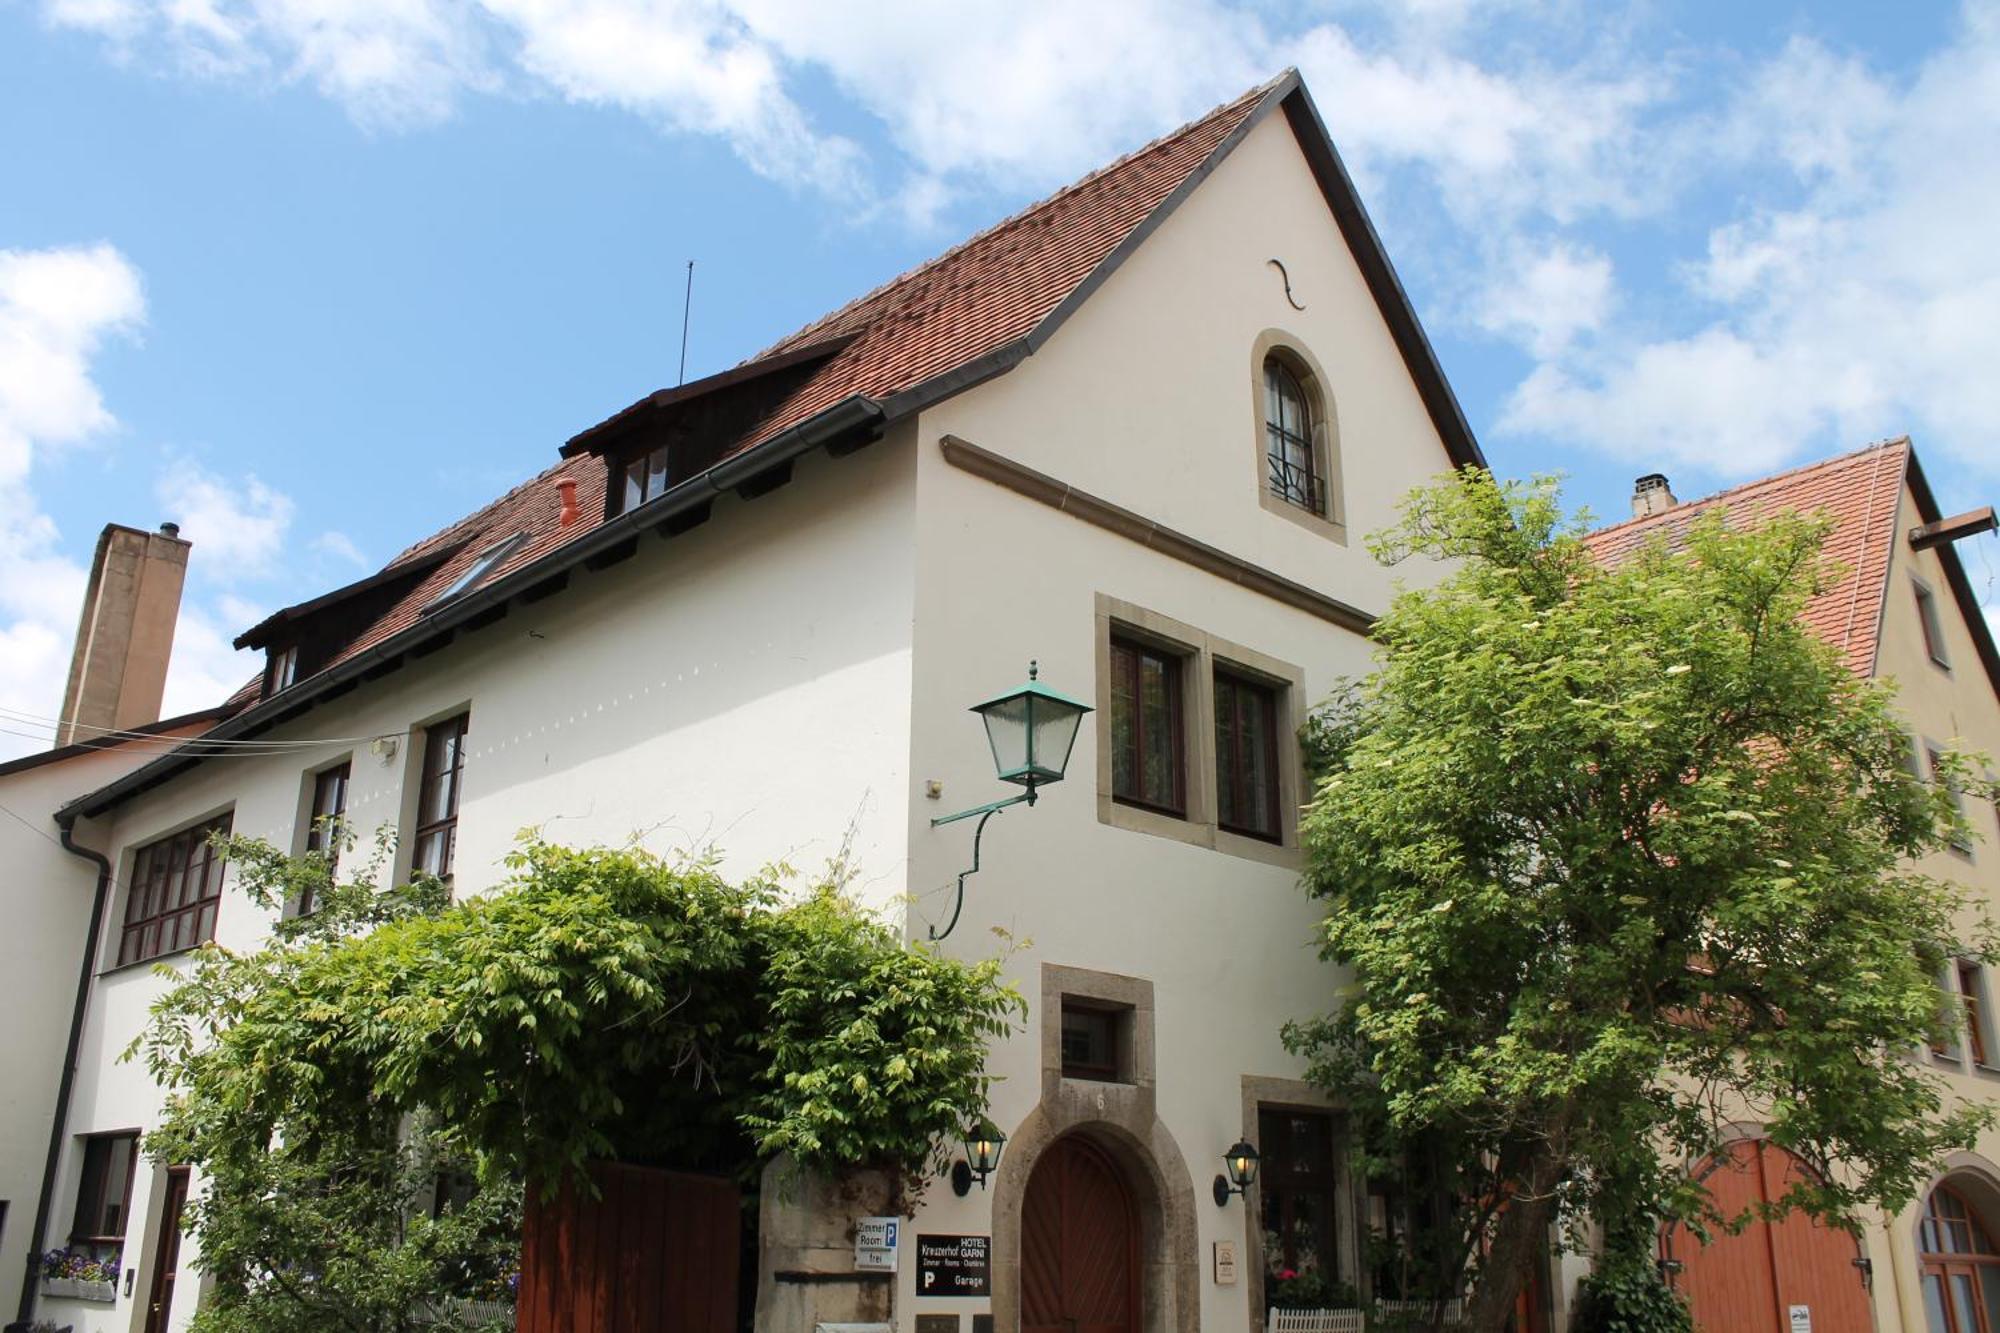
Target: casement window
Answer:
[[1961, 837], [323, 826], [438, 795], [104, 1190], [645, 478], [175, 890], [284, 668], [1246, 756], [1972, 994], [1094, 1035], [1290, 421], [1944, 1045], [1148, 741], [1930, 622], [1299, 1185], [1197, 737]]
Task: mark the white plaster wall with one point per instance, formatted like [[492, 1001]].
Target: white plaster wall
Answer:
[[743, 685], [45, 897], [1143, 399]]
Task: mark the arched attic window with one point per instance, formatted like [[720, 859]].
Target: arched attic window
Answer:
[[1294, 434]]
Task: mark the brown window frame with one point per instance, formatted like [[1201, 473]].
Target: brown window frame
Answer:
[[1931, 623], [157, 894], [1284, 1178], [1115, 1017], [1296, 483], [90, 1193], [1241, 759], [1968, 994], [327, 810], [1127, 654], [443, 828], [635, 476]]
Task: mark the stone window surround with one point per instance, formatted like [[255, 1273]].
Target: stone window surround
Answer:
[[1326, 436], [1259, 1092], [1202, 652], [1123, 1120]]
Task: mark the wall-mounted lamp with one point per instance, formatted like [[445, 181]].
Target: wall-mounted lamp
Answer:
[[982, 1153], [1031, 731], [1241, 1159], [1669, 1269], [1867, 1267]]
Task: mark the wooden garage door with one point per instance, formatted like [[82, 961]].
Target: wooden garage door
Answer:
[[1750, 1282], [1079, 1245]]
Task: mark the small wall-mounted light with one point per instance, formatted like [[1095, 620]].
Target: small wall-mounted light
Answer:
[[1669, 1269], [1241, 1161], [1867, 1267], [983, 1143]]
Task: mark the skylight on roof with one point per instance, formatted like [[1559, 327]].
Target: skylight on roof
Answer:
[[475, 573]]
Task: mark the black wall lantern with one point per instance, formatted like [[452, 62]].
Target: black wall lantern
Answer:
[[1241, 1159], [983, 1143]]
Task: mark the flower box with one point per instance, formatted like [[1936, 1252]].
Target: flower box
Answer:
[[77, 1289]]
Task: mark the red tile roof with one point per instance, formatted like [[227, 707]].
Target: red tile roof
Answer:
[[1859, 491], [972, 300], [936, 329]]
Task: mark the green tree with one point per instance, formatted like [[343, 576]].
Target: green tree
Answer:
[[334, 1221], [1614, 855], [599, 1004]]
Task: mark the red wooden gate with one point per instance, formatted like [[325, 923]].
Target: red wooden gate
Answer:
[[657, 1250], [1749, 1282], [1079, 1245]]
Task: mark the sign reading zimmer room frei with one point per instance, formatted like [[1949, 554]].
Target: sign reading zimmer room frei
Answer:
[[953, 1266], [875, 1241]]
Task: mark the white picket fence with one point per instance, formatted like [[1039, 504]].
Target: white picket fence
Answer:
[[1354, 1321], [1315, 1321]]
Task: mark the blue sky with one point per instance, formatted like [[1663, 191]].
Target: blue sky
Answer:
[[314, 277]]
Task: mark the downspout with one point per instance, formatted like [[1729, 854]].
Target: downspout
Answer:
[[39, 1235]]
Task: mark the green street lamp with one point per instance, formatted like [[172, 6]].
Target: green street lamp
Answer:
[[1031, 730]]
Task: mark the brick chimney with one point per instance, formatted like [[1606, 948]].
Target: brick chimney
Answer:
[[1650, 496], [118, 671]]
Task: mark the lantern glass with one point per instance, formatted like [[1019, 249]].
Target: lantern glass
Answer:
[[982, 1149], [1032, 731], [1242, 1161]]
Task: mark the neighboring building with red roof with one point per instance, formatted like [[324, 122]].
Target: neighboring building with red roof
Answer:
[[1905, 612], [1132, 433]]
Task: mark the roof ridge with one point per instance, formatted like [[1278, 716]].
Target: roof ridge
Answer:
[[1791, 473], [1012, 219]]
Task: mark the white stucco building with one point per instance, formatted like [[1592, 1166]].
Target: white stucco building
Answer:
[[1133, 433]]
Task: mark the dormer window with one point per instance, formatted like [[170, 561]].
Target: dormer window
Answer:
[[488, 560], [645, 479], [284, 668]]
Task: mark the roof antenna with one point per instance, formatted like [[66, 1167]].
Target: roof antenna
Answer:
[[687, 300]]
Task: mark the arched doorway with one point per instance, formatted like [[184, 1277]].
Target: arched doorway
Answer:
[[1079, 1244], [1752, 1281], [1961, 1266]]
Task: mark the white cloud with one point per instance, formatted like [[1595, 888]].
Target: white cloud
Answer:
[[57, 309], [1852, 299], [341, 547], [1547, 300], [238, 525]]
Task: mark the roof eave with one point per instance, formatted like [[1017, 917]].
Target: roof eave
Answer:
[[844, 420], [1954, 574]]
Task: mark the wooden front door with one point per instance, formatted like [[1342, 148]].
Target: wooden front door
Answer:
[[1751, 1282], [167, 1252], [1079, 1245]]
